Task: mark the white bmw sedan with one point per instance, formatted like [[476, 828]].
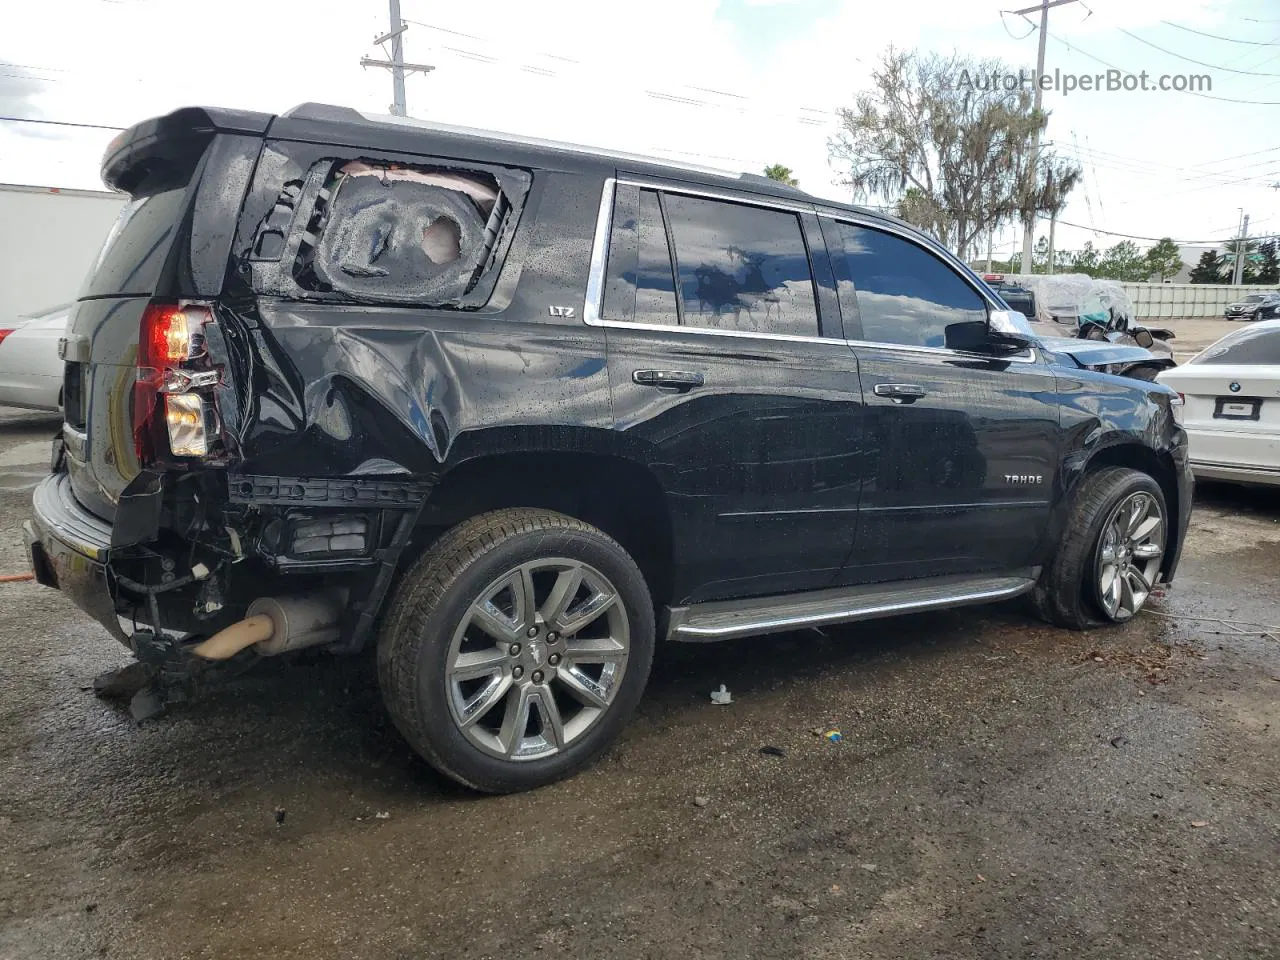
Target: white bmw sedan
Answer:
[[1231, 405]]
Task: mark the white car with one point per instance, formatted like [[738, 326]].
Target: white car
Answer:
[[1231, 405], [30, 369]]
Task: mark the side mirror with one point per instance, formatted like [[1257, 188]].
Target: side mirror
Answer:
[[975, 336], [1143, 338], [1008, 321]]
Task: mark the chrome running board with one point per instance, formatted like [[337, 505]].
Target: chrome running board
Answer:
[[727, 619]]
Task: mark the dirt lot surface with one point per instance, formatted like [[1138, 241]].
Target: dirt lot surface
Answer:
[[1003, 789]]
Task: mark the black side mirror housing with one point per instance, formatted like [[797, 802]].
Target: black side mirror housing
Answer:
[[977, 336]]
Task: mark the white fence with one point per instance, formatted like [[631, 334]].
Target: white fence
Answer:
[[1168, 300]]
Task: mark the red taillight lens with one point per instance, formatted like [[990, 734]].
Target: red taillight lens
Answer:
[[168, 334], [3, 334], [170, 338]]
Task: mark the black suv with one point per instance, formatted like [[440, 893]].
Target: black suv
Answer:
[[511, 411]]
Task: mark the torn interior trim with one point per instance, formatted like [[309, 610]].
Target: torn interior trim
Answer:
[[418, 235]]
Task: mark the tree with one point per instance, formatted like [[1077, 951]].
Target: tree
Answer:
[[1040, 256], [1209, 268], [1269, 270], [1123, 262], [776, 171], [1250, 274], [962, 144], [1164, 260], [919, 209], [1045, 190], [1085, 260]]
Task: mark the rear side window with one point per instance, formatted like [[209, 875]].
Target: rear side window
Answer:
[[640, 281], [1251, 345], [138, 244], [905, 294], [741, 267], [390, 232]]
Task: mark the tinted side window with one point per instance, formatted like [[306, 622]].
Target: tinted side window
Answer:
[[742, 268], [906, 294], [640, 284], [1253, 345], [655, 283]]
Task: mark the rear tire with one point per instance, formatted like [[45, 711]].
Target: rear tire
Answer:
[[1105, 567], [515, 649]]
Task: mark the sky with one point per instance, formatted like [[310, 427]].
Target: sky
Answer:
[[734, 84]]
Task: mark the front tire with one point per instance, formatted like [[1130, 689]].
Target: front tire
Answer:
[[516, 648], [1110, 555]]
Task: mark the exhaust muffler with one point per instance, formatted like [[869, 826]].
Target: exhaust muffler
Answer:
[[275, 625]]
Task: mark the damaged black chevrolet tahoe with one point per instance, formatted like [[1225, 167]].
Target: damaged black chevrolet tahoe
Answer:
[[509, 412]]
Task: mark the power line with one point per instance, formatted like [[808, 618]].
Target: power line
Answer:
[[1214, 36], [1199, 63], [1134, 236], [1156, 168], [61, 123], [1193, 93], [489, 59]]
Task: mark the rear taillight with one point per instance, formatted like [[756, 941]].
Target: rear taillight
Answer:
[[3, 334], [173, 417]]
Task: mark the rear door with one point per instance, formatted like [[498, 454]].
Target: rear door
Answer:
[[962, 449], [730, 378]]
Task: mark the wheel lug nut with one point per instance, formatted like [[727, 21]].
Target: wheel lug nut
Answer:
[[552, 637], [537, 676], [518, 672], [514, 649], [553, 659], [531, 632]]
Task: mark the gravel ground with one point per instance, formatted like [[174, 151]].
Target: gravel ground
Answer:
[[1003, 789]]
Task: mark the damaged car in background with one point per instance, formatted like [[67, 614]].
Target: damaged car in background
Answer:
[[1092, 322], [503, 414]]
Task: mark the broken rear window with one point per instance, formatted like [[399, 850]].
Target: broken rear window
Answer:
[[404, 233]]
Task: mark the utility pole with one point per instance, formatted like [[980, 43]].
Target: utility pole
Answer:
[[1241, 244], [1029, 230], [396, 64], [988, 249]]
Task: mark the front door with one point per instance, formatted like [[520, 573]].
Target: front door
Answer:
[[723, 382], [962, 449]]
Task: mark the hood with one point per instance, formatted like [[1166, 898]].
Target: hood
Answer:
[[1096, 354]]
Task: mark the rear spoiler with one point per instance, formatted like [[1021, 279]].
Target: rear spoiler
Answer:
[[169, 147]]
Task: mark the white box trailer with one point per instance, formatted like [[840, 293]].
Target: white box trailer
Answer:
[[49, 238]]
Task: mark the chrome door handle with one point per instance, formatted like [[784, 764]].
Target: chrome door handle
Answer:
[[900, 392], [674, 379]]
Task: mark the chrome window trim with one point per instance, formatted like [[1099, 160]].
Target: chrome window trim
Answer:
[[600, 255]]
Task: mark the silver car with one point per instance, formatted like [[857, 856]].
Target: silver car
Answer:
[[30, 369]]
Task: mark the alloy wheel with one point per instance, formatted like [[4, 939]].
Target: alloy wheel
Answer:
[[537, 659], [1129, 553]]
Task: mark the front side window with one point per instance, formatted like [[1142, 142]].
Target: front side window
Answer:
[[741, 268], [907, 295]]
